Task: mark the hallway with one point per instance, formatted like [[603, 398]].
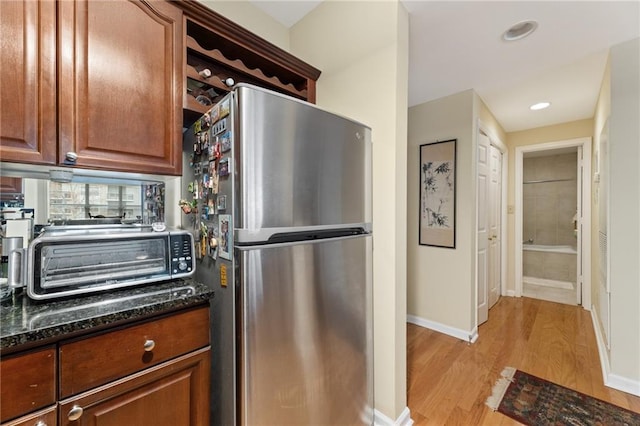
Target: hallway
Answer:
[[449, 380]]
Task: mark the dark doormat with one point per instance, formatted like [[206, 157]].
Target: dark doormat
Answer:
[[538, 402]]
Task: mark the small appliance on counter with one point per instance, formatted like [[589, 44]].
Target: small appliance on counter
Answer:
[[76, 260], [8, 275]]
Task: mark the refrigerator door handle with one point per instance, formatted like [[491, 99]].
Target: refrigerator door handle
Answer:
[[301, 233]]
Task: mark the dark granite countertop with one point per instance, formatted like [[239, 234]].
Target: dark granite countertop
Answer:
[[26, 323]]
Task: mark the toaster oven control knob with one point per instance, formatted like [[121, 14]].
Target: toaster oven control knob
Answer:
[[182, 265], [149, 345], [75, 413]]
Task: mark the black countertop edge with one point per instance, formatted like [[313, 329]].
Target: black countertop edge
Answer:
[[25, 323]]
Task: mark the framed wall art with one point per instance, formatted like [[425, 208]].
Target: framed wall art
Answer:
[[437, 225]]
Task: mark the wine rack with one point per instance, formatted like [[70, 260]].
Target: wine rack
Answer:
[[219, 54]]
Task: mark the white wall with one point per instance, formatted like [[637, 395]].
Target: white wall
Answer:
[[36, 196], [624, 239], [602, 112], [362, 50], [440, 281], [253, 19]]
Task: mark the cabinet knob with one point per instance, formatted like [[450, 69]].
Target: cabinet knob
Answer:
[[70, 158], [40, 423], [149, 345], [75, 413]]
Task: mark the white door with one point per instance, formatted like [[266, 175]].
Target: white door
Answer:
[[495, 203], [484, 171]]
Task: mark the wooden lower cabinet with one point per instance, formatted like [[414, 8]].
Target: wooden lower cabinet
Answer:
[[149, 373], [173, 393], [46, 417]]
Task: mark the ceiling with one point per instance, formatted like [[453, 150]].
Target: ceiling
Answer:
[[457, 45]]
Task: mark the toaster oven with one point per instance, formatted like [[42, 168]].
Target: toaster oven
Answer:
[[66, 261]]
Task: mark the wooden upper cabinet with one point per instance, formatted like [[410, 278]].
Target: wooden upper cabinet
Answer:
[[10, 185], [120, 84], [28, 81]]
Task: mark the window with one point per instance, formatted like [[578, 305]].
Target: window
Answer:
[[85, 200]]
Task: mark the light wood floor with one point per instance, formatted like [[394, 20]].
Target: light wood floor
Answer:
[[449, 380]]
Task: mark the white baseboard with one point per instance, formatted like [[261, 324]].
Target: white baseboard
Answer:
[[602, 348], [380, 419], [511, 293], [474, 336], [467, 336], [624, 384], [611, 380]]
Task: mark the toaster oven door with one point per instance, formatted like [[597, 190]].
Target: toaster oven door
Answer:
[[68, 267]]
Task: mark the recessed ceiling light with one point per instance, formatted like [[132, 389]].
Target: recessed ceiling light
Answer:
[[519, 30], [539, 105]]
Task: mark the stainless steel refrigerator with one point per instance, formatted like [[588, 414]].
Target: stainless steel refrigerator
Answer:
[[278, 193]]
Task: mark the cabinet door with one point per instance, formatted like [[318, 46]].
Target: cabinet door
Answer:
[[10, 185], [28, 382], [174, 393], [120, 84], [28, 81]]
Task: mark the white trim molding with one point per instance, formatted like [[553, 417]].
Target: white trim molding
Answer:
[[611, 380], [381, 419], [467, 336]]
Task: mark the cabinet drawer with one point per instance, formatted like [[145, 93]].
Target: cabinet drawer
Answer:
[[100, 359], [28, 382], [46, 417]]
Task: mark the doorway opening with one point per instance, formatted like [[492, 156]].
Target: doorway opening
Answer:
[[553, 221], [549, 225]]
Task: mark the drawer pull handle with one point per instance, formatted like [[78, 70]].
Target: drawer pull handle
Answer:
[[149, 345], [75, 413]]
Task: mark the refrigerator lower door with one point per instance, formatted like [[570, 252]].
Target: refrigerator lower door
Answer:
[[306, 333]]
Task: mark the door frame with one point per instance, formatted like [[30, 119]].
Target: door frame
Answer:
[[584, 226], [497, 142]]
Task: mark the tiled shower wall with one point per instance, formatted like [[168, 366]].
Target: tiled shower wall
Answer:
[[548, 211]]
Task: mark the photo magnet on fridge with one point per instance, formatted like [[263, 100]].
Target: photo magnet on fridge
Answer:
[[222, 202], [225, 244], [225, 141], [223, 169], [224, 108]]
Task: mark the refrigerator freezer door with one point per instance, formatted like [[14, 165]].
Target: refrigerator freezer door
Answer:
[[305, 333], [298, 165]]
